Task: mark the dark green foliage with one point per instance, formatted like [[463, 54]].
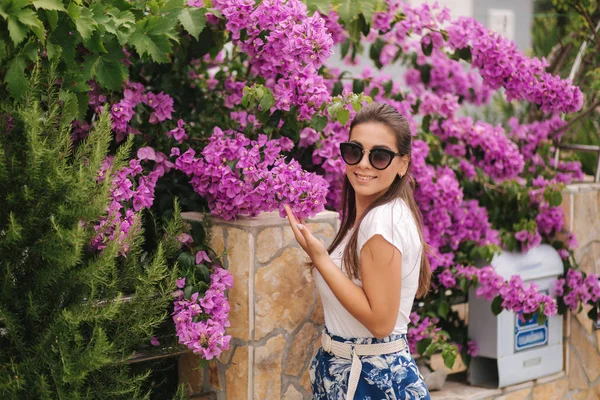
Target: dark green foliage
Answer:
[[70, 317]]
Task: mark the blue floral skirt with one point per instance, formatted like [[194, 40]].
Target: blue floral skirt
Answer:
[[390, 376]]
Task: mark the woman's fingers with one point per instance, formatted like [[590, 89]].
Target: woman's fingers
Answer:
[[294, 225]]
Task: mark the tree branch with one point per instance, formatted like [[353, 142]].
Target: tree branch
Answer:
[[572, 122]]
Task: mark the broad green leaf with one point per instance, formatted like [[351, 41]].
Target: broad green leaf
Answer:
[[319, 122], [368, 8], [267, 102], [15, 78], [322, 6], [29, 18], [358, 86], [426, 122], [422, 345], [151, 37], [186, 260], [342, 116], [204, 272], [95, 43], [89, 66], [53, 51], [49, 5], [70, 106], [17, 30], [52, 17], [110, 74], [348, 10], [443, 309], [497, 305], [449, 354], [121, 24], [193, 20], [3, 51], [83, 19]]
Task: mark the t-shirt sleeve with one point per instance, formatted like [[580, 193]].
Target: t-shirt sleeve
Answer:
[[388, 220]]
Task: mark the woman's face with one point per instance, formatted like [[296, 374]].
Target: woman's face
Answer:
[[368, 182]]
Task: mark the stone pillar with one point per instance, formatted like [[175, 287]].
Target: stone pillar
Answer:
[[276, 315]]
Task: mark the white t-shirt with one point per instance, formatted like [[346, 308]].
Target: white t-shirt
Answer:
[[393, 221]]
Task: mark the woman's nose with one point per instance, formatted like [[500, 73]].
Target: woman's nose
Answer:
[[364, 162]]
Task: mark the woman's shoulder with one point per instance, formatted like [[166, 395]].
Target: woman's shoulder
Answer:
[[393, 212]]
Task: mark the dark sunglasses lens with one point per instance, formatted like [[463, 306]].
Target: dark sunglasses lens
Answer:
[[350, 153], [380, 159]]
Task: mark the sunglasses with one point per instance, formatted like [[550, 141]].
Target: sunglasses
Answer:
[[380, 159]]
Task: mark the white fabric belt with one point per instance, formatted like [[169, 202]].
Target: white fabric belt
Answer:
[[352, 351]]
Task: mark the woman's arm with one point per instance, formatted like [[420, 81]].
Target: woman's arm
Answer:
[[376, 304]]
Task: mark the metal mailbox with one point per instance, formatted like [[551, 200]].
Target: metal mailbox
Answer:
[[512, 351]]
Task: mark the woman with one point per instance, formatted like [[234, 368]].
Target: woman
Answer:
[[371, 273]]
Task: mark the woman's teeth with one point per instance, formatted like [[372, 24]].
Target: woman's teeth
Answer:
[[364, 178]]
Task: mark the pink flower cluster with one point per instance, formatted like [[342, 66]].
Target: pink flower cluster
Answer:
[[128, 197], [200, 322], [419, 329], [516, 296], [483, 145], [134, 93], [577, 289], [284, 46], [239, 176], [498, 60]]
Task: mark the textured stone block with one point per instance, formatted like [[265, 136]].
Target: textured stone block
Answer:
[[214, 379], [292, 394], [301, 349], [269, 242], [217, 239], [588, 353], [577, 379], [283, 294], [236, 376], [555, 390], [267, 369], [239, 259]]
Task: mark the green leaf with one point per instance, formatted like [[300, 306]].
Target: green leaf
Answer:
[[355, 29], [205, 273], [333, 109], [345, 47], [541, 319], [387, 87], [348, 10], [319, 122], [556, 199], [427, 48], [358, 86], [53, 51], [267, 101], [95, 43], [497, 305], [3, 51], [426, 122], [375, 52], [49, 5], [52, 17], [121, 24], [110, 74], [323, 6], [15, 78], [187, 292], [374, 92], [422, 345], [193, 20], [16, 30], [343, 116], [151, 37], [83, 19], [443, 309], [449, 354], [186, 259], [465, 54], [338, 88], [368, 8], [70, 106]]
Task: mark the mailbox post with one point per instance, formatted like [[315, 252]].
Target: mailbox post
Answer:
[[512, 351]]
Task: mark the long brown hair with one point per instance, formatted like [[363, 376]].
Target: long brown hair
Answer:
[[402, 187]]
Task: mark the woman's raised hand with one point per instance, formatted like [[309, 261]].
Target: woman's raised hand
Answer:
[[311, 245]]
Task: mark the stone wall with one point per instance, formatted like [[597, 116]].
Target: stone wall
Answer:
[[276, 316]]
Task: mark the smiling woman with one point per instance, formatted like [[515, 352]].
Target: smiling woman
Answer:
[[370, 275]]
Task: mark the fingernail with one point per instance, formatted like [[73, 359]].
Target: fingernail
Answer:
[[300, 227]]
